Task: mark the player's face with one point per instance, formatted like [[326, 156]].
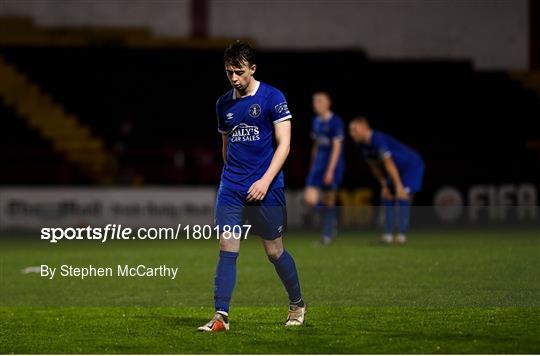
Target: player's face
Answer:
[[321, 104], [359, 132], [240, 77]]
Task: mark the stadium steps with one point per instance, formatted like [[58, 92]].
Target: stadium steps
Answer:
[[22, 31], [68, 136]]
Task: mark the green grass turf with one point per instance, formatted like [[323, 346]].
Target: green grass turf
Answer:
[[452, 292]]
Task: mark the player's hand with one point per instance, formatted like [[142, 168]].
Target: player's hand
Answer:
[[402, 194], [328, 178], [258, 190], [386, 193]]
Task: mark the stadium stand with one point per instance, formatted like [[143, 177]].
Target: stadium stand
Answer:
[[151, 103]]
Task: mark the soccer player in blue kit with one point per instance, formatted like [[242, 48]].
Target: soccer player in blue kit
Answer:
[[254, 121], [398, 168], [327, 163]]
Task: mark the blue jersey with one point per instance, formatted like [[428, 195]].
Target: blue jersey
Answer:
[[323, 133], [249, 123], [382, 145]]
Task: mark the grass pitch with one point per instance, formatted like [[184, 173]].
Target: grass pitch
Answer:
[[453, 292]]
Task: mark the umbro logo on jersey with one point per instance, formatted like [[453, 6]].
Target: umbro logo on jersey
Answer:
[[229, 116]]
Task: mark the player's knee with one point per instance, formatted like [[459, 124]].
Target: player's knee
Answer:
[[231, 245], [310, 198], [274, 253]]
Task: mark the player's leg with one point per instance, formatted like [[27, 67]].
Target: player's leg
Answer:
[[286, 269], [312, 189], [270, 222], [224, 281], [316, 208], [228, 213], [389, 210], [311, 196], [412, 181], [225, 277], [404, 214], [329, 216], [330, 211]]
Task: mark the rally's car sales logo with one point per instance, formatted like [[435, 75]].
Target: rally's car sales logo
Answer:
[[244, 133]]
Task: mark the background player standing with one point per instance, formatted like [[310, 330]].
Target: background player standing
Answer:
[[327, 163], [254, 121], [398, 168]]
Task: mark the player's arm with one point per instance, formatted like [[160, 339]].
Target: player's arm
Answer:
[[225, 143], [393, 172], [282, 133], [314, 149], [377, 172], [314, 146], [337, 144]]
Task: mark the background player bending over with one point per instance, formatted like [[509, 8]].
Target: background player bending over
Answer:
[[253, 119], [398, 168], [327, 163]]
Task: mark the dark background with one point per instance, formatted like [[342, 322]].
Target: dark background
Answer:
[[457, 81], [154, 108]]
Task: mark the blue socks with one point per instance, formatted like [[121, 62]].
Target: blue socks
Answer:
[[286, 270], [224, 280], [389, 216], [404, 214], [328, 216], [329, 221]]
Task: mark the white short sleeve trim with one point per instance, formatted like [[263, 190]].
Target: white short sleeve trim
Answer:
[[285, 118]]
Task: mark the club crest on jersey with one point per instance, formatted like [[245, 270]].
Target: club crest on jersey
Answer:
[[254, 110]]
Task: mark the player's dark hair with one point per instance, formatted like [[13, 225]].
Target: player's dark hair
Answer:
[[239, 53], [359, 119], [323, 92]]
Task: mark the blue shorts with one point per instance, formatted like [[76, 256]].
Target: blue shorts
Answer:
[[411, 179], [315, 178], [268, 218]]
